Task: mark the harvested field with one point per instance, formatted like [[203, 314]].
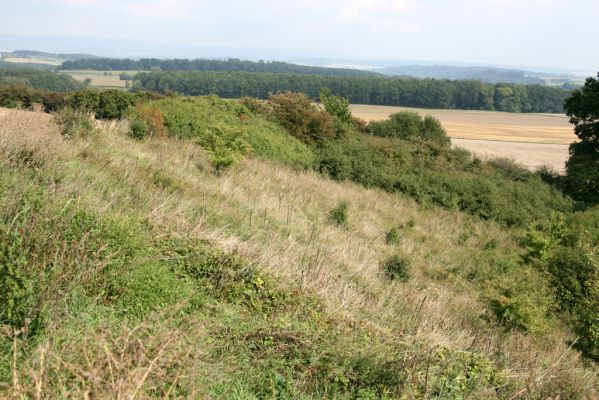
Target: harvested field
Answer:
[[102, 79], [531, 155], [533, 140], [486, 125]]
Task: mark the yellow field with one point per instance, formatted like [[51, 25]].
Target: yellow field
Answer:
[[533, 140], [486, 125], [33, 60], [102, 79]]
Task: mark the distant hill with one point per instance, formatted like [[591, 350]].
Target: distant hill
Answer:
[[43, 54], [208, 65], [485, 74]]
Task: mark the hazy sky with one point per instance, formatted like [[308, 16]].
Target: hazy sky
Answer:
[[552, 33]]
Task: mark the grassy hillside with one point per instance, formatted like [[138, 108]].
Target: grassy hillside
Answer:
[[130, 269]]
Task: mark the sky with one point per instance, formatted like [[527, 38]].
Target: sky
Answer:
[[547, 33]]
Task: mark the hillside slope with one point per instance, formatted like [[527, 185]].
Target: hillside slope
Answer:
[[143, 274]]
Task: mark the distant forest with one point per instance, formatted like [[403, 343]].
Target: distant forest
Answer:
[[62, 56], [38, 79], [230, 65], [396, 91], [485, 74]]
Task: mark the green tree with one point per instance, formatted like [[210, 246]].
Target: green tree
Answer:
[[583, 109], [336, 106], [582, 178]]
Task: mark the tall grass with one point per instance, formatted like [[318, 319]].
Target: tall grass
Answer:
[[237, 285]]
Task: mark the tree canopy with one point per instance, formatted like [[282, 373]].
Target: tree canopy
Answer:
[[582, 179], [583, 109]]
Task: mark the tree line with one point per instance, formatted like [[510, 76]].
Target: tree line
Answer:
[[396, 91], [38, 79], [201, 64]]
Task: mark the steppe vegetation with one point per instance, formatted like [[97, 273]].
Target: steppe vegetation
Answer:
[[176, 247]]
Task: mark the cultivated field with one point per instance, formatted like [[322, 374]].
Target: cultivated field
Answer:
[[33, 60], [531, 139], [102, 79]]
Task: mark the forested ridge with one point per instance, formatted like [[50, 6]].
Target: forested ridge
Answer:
[[202, 64], [398, 91]]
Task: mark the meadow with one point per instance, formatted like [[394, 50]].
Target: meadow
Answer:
[[194, 247], [162, 279]]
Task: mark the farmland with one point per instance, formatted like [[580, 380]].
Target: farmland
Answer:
[[531, 139], [101, 79]]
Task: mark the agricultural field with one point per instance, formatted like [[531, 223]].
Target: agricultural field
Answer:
[[33, 60], [101, 79], [531, 139]]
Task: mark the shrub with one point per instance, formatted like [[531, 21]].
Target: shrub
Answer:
[[15, 293], [338, 215], [226, 145], [397, 268], [336, 106], [575, 275], [510, 169], [191, 118], [296, 113], [114, 103], [408, 124], [582, 172], [147, 121], [85, 100], [74, 123], [392, 236]]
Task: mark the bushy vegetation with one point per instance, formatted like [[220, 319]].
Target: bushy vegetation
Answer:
[[206, 118], [410, 125], [146, 121], [37, 79], [397, 91], [74, 123], [108, 104], [397, 268], [117, 291], [339, 215]]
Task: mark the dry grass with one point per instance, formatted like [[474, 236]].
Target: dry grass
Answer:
[[277, 218]]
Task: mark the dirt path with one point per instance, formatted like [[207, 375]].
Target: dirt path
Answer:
[[531, 155]]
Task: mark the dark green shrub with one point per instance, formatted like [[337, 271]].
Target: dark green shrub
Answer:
[[85, 100], [510, 169], [433, 131], [114, 103], [397, 268], [392, 236], [74, 123], [19, 96], [15, 291], [338, 215], [582, 172], [575, 276], [407, 125]]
